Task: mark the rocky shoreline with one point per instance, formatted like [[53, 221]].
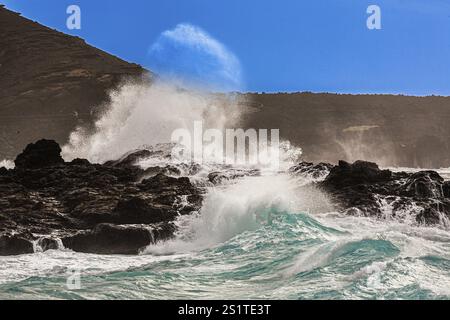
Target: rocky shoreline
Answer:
[[119, 208], [363, 189], [110, 209]]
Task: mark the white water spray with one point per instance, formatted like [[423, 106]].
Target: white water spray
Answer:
[[8, 164], [140, 115]]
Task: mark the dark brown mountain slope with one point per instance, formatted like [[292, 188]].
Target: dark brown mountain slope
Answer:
[[49, 82], [391, 130]]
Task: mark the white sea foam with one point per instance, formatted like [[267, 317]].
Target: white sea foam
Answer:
[[58, 262], [8, 164]]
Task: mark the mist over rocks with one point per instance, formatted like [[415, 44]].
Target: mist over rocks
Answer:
[[359, 172]]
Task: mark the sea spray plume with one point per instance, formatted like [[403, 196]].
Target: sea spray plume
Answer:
[[143, 114], [8, 164], [189, 56]]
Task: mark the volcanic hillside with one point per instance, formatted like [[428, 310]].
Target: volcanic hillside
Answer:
[[392, 130]]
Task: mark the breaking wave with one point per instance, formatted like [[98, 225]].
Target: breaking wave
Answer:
[[244, 206], [254, 245]]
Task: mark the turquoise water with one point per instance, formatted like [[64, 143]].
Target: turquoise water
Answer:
[[253, 245]]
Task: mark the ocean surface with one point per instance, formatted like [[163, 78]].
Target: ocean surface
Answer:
[[255, 238]]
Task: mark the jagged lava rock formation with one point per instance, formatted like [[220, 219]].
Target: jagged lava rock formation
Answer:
[[114, 208], [362, 188]]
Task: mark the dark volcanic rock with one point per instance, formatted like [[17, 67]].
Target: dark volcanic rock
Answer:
[[44, 196], [360, 172], [362, 188], [114, 239], [44, 153], [11, 245], [311, 170], [424, 184], [446, 189], [139, 210], [48, 244], [166, 183], [3, 171]]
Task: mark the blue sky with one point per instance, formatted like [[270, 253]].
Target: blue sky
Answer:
[[271, 46]]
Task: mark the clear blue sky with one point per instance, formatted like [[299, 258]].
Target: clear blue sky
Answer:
[[284, 45]]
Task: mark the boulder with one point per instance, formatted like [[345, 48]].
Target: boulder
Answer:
[[135, 210], [424, 184], [44, 153], [79, 162], [163, 183], [48, 244], [11, 245], [53, 197], [114, 239], [360, 172]]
